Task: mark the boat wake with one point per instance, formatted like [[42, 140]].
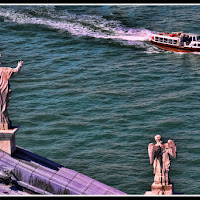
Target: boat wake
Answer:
[[78, 25]]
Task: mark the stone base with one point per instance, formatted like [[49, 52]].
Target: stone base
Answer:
[[7, 140], [158, 189]]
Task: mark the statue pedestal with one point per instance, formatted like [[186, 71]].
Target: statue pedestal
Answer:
[[158, 189], [7, 140]]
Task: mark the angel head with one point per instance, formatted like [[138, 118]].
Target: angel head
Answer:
[[158, 139]]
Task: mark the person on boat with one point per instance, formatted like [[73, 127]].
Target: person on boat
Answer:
[[182, 40], [188, 40]]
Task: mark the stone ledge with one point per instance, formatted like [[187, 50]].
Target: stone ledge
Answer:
[[7, 140], [9, 131]]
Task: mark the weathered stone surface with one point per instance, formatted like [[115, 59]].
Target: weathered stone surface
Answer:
[[101, 185], [44, 171], [32, 188], [92, 192], [8, 190], [9, 160], [84, 178], [81, 181], [62, 180], [23, 173], [100, 190], [66, 171], [115, 191], [81, 187], [43, 176], [57, 187]]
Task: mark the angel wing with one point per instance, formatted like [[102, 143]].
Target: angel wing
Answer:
[[151, 152], [172, 145]]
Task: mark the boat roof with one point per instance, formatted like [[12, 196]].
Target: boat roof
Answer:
[[192, 34], [178, 32]]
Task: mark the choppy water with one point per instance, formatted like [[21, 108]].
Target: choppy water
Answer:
[[94, 92]]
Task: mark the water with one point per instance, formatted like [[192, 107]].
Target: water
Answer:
[[93, 92]]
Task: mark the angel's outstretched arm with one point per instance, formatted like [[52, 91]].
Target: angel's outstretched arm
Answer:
[[17, 69]]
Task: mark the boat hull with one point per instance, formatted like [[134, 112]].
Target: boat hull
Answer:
[[175, 48]]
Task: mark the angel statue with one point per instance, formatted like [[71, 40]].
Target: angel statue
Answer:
[[5, 74], [159, 157]]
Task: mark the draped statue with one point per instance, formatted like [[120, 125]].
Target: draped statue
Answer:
[[159, 157], [5, 74]]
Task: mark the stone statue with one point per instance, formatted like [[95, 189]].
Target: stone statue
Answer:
[[5, 74], [159, 156]]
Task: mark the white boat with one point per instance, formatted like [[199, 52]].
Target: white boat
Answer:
[[177, 41]]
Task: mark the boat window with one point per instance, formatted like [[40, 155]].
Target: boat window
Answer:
[[161, 39], [165, 40], [198, 44], [198, 37], [170, 41], [156, 38], [195, 44], [174, 41], [194, 38]]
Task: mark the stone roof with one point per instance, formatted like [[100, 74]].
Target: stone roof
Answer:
[[27, 173]]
